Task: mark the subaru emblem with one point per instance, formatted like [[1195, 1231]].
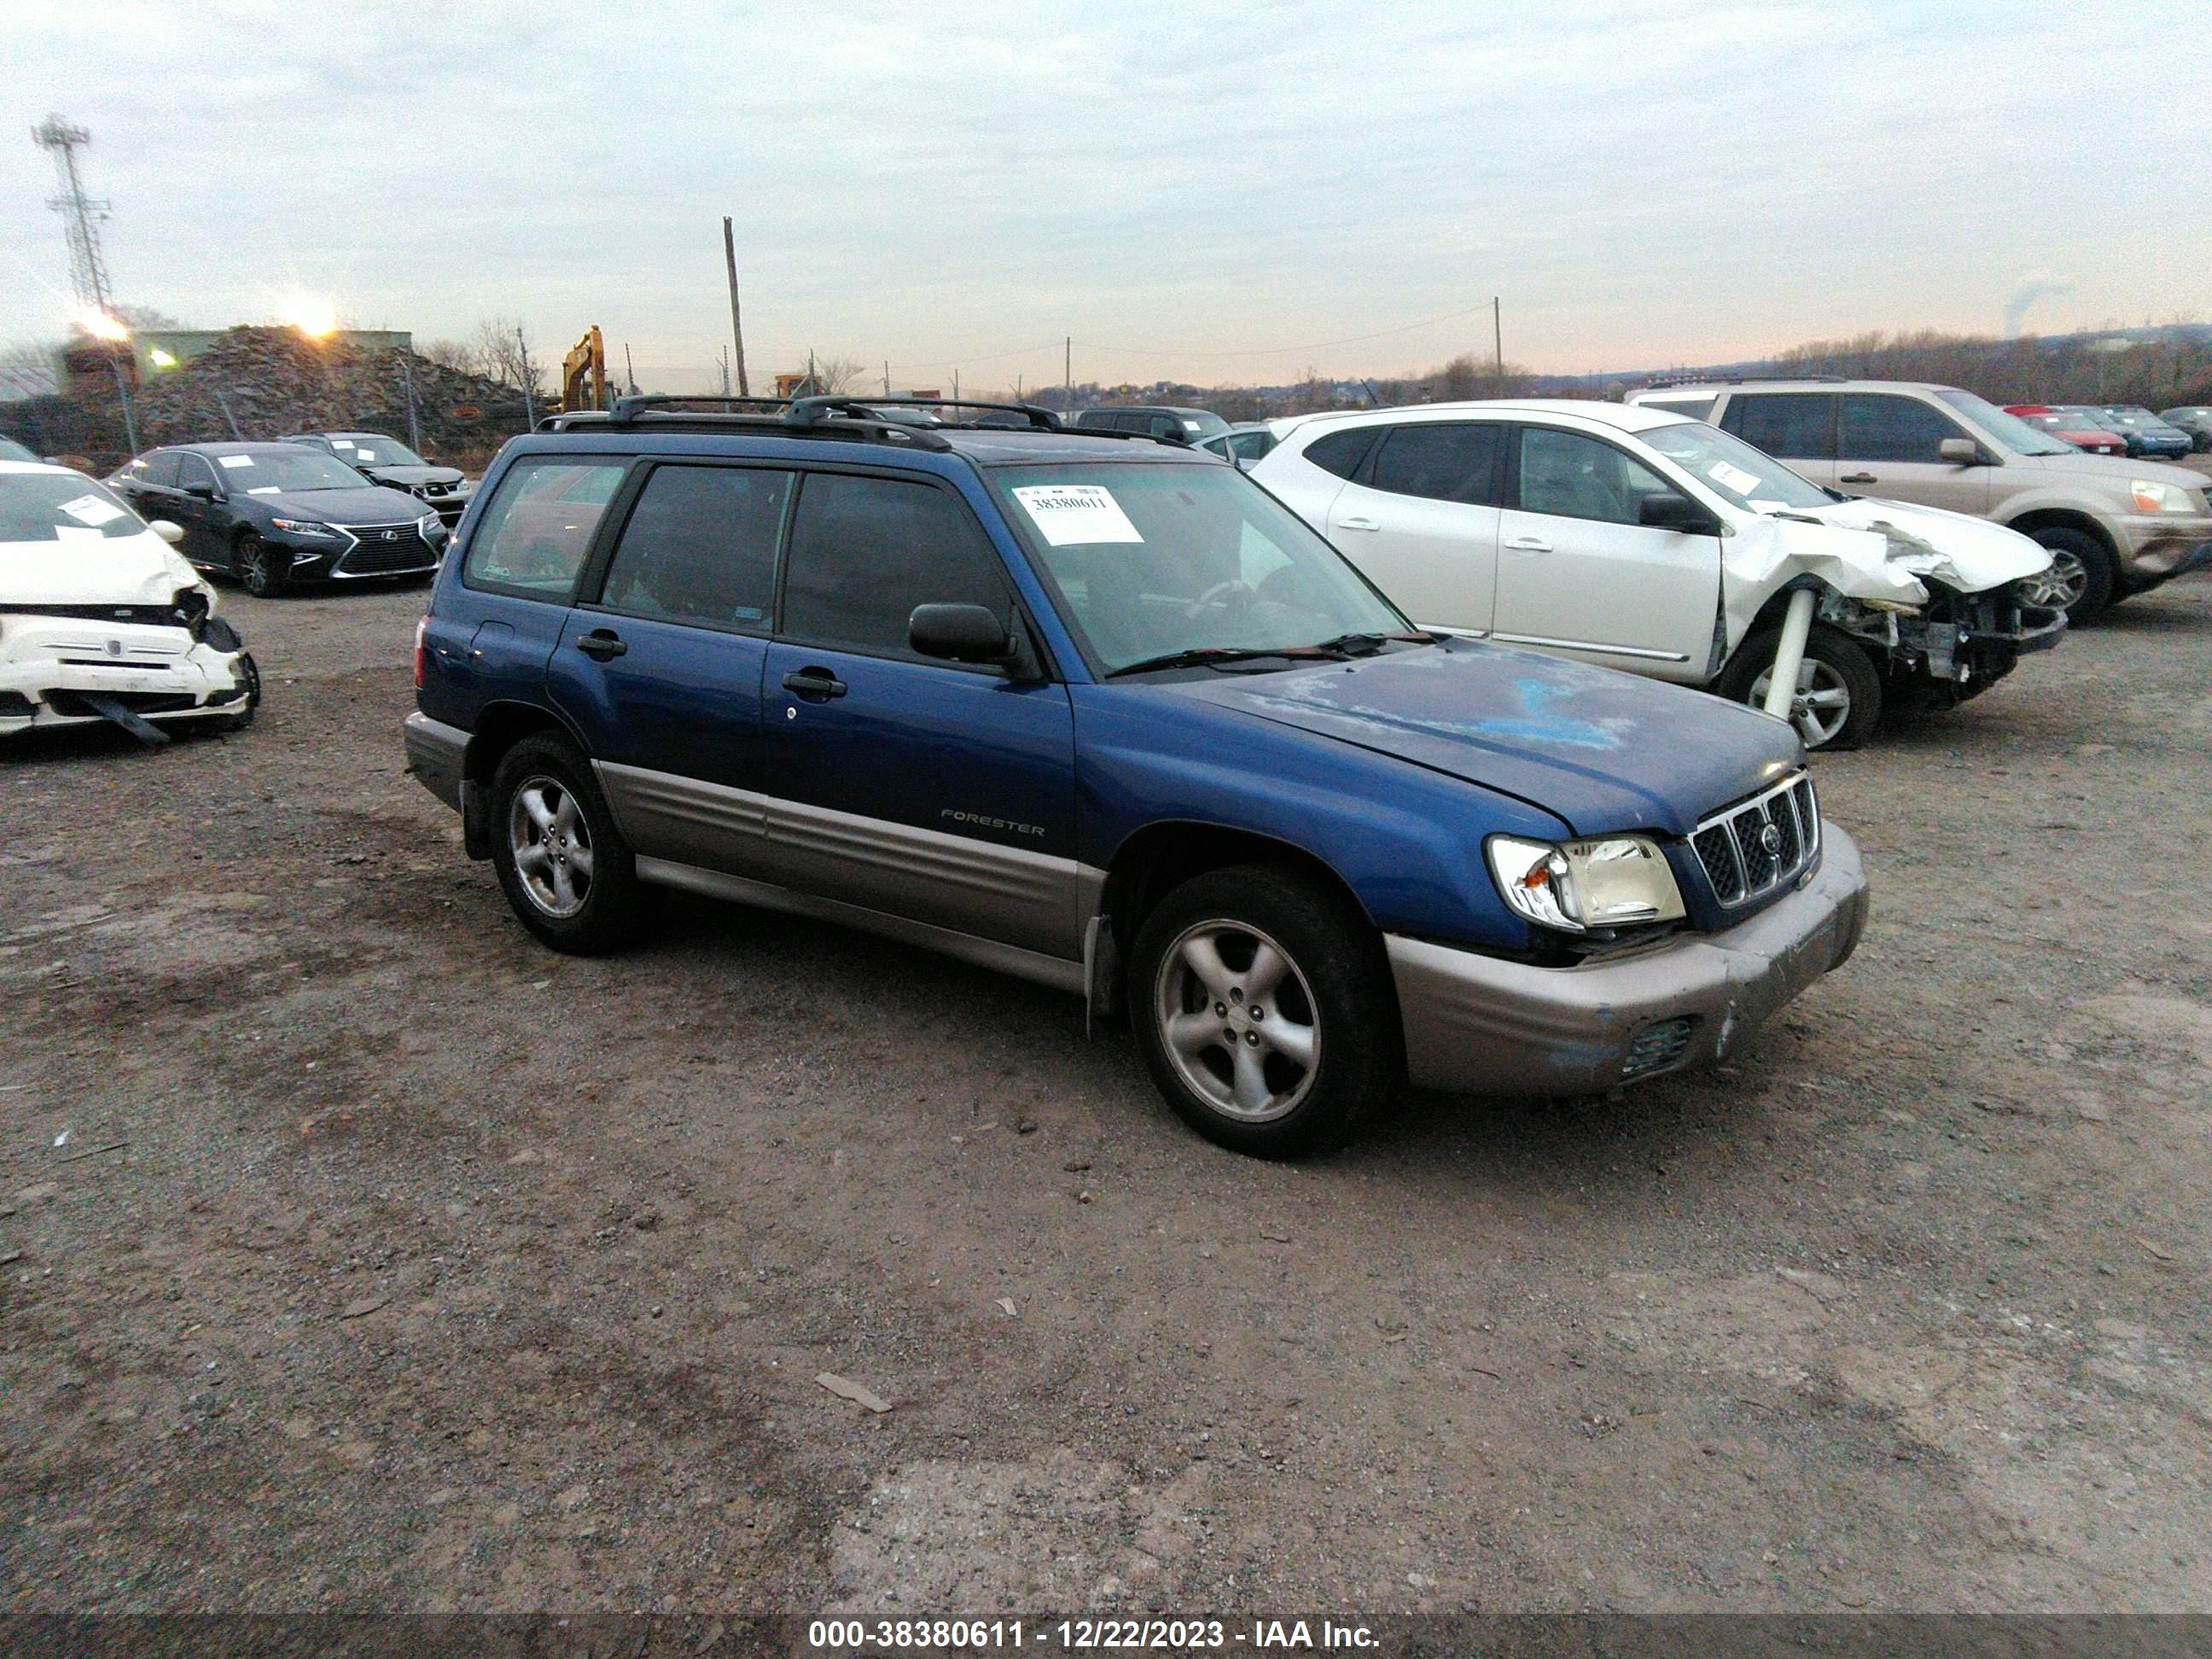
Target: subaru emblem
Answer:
[[1771, 839]]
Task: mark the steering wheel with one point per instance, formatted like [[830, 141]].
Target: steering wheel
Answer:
[[1221, 595]]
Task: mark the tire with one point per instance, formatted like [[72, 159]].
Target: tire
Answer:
[[1840, 692], [250, 671], [259, 567], [1204, 1032], [2083, 578], [581, 894]]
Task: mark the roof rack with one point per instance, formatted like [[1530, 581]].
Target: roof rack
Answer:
[[806, 411], [1735, 379]]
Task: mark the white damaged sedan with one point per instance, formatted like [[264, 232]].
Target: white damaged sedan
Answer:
[[101, 620]]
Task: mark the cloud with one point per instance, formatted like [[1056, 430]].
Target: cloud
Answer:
[[2037, 285]]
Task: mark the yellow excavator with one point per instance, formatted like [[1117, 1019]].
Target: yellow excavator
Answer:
[[584, 374]]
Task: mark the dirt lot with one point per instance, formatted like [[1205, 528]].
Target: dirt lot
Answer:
[[393, 1262]]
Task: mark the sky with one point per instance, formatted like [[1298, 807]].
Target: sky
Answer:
[[1204, 190]]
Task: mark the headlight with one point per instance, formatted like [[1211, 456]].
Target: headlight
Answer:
[[2160, 497], [306, 527], [189, 606], [1615, 881], [431, 527]]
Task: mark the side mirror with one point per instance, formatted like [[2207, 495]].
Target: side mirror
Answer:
[[959, 633], [168, 530], [1677, 512], [200, 492], [1960, 452]]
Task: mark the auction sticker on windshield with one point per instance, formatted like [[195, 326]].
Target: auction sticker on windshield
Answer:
[[90, 509], [1073, 515], [1733, 477], [235, 460]]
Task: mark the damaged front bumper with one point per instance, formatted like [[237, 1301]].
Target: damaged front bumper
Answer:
[[1477, 1024], [1965, 642], [60, 670]]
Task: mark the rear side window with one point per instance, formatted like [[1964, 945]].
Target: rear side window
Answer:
[[865, 551], [1440, 461], [1341, 452], [1790, 426], [1880, 427], [700, 547], [1696, 408], [533, 536], [1569, 476]]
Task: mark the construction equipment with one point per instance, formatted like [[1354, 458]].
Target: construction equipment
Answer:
[[583, 375]]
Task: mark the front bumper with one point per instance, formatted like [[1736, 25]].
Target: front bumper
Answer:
[[48, 665], [2154, 547], [1475, 1025]]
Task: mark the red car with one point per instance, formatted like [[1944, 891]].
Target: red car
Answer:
[[2070, 428]]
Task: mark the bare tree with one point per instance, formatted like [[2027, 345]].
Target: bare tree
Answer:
[[836, 376], [501, 352], [449, 353]]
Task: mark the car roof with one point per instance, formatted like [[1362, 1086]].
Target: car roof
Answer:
[[1804, 383], [1622, 418], [984, 446], [258, 447]]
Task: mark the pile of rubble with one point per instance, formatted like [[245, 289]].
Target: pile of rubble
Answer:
[[261, 383]]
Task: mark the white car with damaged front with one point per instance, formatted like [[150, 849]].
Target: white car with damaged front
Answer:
[[1647, 541], [100, 619]]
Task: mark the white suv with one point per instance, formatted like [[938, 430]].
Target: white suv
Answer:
[[1646, 541]]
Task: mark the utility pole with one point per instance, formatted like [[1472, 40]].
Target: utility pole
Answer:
[[722, 361], [529, 401], [887, 380], [1498, 340], [955, 386], [223, 403], [81, 215], [414, 425], [1067, 370], [814, 386], [629, 369], [736, 322]]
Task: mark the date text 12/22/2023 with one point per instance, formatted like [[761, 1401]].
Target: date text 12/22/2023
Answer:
[[1073, 1635]]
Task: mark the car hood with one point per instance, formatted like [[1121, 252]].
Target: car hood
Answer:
[[1602, 750], [1956, 549], [406, 475], [2111, 468], [370, 504], [141, 569]]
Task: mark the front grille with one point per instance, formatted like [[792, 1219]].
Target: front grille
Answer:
[[376, 557], [1752, 850], [1655, 1048], [138, 702]]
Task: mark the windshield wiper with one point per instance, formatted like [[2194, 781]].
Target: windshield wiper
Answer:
[[1210, 656], [1368, 645]]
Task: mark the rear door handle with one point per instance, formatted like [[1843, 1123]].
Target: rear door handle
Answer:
[[1357, 524], [1529, 544], [1858, 477], [601, 643], [815, 684]]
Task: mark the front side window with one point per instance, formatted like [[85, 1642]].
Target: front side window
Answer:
[[700, 547], [1150, 558], [157, 471], [534, 536], [1440, 461], [1790, 426], [1880, 427], [193, 470], [1569, 474], [61, 506], [865, 551]]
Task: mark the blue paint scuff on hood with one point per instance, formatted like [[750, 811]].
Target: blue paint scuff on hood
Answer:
[[1604, 750]]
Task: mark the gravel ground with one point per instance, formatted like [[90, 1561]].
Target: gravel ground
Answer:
[[393, 1262]]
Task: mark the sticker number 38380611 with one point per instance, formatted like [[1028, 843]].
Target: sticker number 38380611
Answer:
[[1073, 515]]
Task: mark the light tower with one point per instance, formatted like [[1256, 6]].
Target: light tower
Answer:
[[80, 213]]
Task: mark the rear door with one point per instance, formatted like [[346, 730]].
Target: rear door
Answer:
[[1795, 427], [935, 790], [490, 639], [1420, 517], [1577, 573], [661, 670], [1887, 444]]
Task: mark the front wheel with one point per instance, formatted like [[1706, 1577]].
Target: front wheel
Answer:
[[563, 866], [263, 569], [1262, 1007], [2082, 580], [1838, 693]]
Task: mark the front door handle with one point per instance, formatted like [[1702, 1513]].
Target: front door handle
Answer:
[[1529, 544], [1357, 524], [815, 684], [1858, 477], [601, 643]]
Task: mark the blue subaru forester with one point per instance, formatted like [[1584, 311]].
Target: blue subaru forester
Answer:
[[1098, 711]]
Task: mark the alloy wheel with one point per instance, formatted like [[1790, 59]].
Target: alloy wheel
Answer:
[[1237, 1021], [1822, 706], [2060, 587], [550, 840]]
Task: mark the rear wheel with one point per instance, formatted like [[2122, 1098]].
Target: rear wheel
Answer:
[[265, 570], [2082, 579], [564, 867], [1262, 1007], [1838, 693]]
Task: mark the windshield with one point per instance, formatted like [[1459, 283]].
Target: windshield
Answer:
[[371, 450], [296, 467], [1147, 560], [12, 450], [61, 506], [1751, 478], [2010, 431]]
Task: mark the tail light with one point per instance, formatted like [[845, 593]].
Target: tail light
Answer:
[[422, 627]]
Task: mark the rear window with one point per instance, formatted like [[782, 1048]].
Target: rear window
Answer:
[[1696, 408], [1790, 426], [1440, 461], [533, 537]]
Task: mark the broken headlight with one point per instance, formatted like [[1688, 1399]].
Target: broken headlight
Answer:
[[1611, 881], [189, 607]]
